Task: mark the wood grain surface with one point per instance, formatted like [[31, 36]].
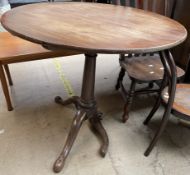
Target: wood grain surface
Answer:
[[146, 68], [182, 100], [14, 49], [93, 27]]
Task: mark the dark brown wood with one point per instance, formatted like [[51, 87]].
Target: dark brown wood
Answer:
[[99, 129], [170, 72], [91, 28], [87, 93], [182, 99], [86, 36], [146, 68], [128, 103], [181, 52], [180, 108], [75, 126], [150, 5], [158, 100], [86, 105], [73, 100], [187, 73], [120, 78], [6, 67], [160, 7], [5, 89]]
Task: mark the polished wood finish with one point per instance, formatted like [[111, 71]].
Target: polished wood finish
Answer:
[[92, 35], [180, 108], [5, 88], [14, 50], [146, 68], [79, 118], [169, 78], [6, 67], [182, 99], [136, 73], [95, 28], [129, 99], [86, 109], [143, 68]]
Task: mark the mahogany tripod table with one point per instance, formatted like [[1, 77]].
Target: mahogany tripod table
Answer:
[[93, 28]]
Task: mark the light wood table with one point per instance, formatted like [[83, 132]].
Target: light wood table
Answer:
[[97, 28]]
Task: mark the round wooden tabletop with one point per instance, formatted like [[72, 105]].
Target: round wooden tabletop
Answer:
[[94, 27]]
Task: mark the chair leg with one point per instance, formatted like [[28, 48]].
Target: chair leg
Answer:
[[153, 111], [120, 78], [6, 67], [5, 89], [158, 101], [170, 69], [127, 106]]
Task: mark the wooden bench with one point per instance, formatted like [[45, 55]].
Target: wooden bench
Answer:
[[15, 50]]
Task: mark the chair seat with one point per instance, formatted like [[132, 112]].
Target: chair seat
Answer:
[[182, 100], [146, 68]]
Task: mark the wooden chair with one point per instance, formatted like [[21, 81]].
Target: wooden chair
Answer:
[[181, 109], [143, 68], [16, 50], [181, 105]]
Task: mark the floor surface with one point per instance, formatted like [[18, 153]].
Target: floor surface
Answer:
[[33, 135]]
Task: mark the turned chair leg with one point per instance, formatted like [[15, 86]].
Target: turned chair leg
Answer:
[[129, 101], [6, 67], [120, 78], [5, 89]]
